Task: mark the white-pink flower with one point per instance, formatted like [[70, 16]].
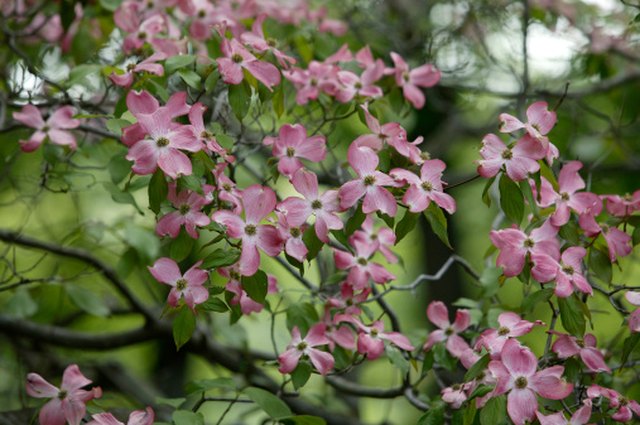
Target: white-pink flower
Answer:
[[188, 286], [448, 332], [299, 347], [55, 128]]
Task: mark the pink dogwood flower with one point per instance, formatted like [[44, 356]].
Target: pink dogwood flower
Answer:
[[240, 296], [566, 271], [516, 374], [360, 266], [259, 43], [292, 144], [540, 122], [618, 242], [634, 318], [351, 85], [188, 286], [411, 79], [456, 394], [438, 314], [518, 161], [323, 207], [147, 65], [162, 147], [623, 206], [206, 138], [391, 134], [369, 184], [309, 83], [382, 238], [226, 190], [68, 403], [338, 333], [514, 245], [55, 128], [371, 338], [258, 202], [137, 417], [188, 213], [567, 196], [511, 325], [291, 229], [347, 302], [236, 58], [579, 417], [299, 347], [623, 408], [426, 188], [567, 346]]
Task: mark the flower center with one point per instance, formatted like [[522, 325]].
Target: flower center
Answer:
[[313, 82], [529, 243], [250, 229], [62, 394], [456, 387], [162, 142], [202, 13], [316, 205], [425, 156], [291, 152], [205, 135], [405, 76], [295, 232], [568, 269], [427, 186], [302, 345], [234, 275], [150, 5], [271, 42], [502, 331], [226, 187], [45, 128], [181, 284], [382, 136], [362, 261], [184, 209], [507, 154], [449, 331], [131, 67], [236, 57], [521, 382], [374, 332], [358, 85], [564, 196], [369, 180], [142, 35]]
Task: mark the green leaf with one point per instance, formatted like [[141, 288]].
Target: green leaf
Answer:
[[211, 82], [530, 301], [110, 5], [87, 300], [158, 190], [480, 391], [121, 197], [434, 416], [79, 74], [202, 385], [486, 198], [221, 258], [572, 315], [600, 264], [191, 78], [629, 344], [174, 63], [511, 199], [406, 225], [21, 304], [270, 403], [301, 375], [256, 286], [636, 236], [143, 241], [119, 168], [187, 417], [477, 368], [181, 246], [173, 402], [240, 99], [355, 221], [490, 280], [438, 223], [115, 125], [183, 326], [302, 315], [311, 241], [494, 412], [303, 420], [214, 304], [397, 359], [278, 100]]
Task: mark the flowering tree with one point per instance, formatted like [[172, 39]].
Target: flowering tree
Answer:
[[256, 158]]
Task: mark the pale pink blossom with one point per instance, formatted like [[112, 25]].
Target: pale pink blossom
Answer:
[[371, 338], [580, 416], [566, 270], [188, 213], [382, 238], [618, 242], [623, 408], [299, 347], [540, 121], [147, 65], [291, 229], [68, 403], [258, 202], [634, 318], [456, 394], [448, 332], [567, 346], [390, 133], [309, 83], [425, 188], [259, 43], [514, 245], [55, 128], [352, 85], [236, 58], [292, 144], [369, 184], [623, 206], [348, 301], [517, 161], [510, 326], [188, 286], [360, 266], [411, 79], [516, 374], [137, 417]]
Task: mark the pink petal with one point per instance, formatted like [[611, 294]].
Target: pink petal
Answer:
[[540, 117], [73, 379], [549, 384], [289, 360], [362, 159], [509, 123], [518, 360], [141, 102], [414, 95], [249, 258], [104, 419], [522, 405], [38, 387], [145, 156], [379, 199], [569, 180], [173, 162], [438, 314], [593, 359], [321, 360], [165, 270], [555, 419], [258, 202], [565, 346], [425, 76], [230, 71], [62, 138], [264, 72], [351, 192], [52, 413], [63, 118], [29, 116]]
